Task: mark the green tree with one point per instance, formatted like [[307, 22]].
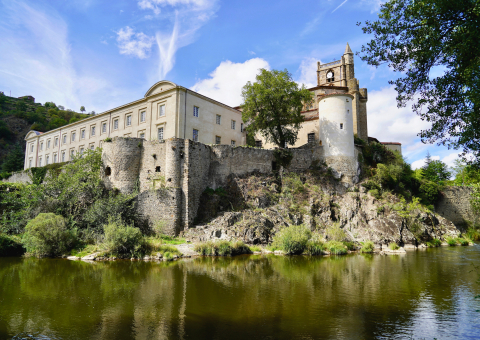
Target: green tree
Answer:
[[14, 160], [272, 106], [82, 109], [420, 38], [435, 170]]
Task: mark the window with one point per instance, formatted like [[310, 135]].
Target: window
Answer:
[[48, 144], [64, 139], [54, 158], [258, 143], [72, 152], [104, 127], [81, 151], [233, 125], [31, 148], [341, 126], [232, 143], [73, 136], [93, 131], [161, 111], [218, 119], [56, 141], [241, 127], [142, 116], [142, 135], [47, 159], [311, 138], [41, 146], [92, 146], [218, 140], [195, 135], [195, 111], [129, 120], [30, 163], [115, 124], [63, 156], [40, 161], [82, 134], [160, 133]]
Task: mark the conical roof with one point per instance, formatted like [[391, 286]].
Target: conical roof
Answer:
[[348, 49]]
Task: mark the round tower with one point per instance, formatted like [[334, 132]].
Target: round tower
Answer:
[[336, 124]]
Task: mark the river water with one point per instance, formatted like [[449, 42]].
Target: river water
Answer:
[[421, 295]]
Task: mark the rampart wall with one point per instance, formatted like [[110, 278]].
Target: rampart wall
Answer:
[[454, 205]]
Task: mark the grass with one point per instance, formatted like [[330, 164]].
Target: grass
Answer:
[[367, 247], [393, 246], [473, 234], [171, 240], [292, 239], [222, 248], [336, 248], [314, 248], [452, 241], [156, 245], [434, 243], [463, 241], [255, 248]]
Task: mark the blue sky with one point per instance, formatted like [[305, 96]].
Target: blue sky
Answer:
[[102, 54]]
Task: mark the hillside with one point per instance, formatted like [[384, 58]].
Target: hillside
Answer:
[[20, 115]]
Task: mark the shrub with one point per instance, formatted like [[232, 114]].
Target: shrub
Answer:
[[47, 235], [473, 234], [451, 241], [222, 248], [350, 245], [123, 240], [335, 233], [462, 241], [434, 243], [205, 248], [336, 247], [367, 247], [314, 248], [375, 193], [292, 239], [255, 248], [10, 245], [393, 246], [238, 247]]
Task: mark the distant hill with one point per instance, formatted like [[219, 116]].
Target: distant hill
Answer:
[[20, 115]]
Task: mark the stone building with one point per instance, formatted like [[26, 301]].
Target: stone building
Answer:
[[167, 110], [334, 78]]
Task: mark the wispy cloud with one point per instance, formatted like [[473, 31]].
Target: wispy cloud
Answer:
[[181, 20], [343, 3], [39, 61], [308, 72], [134, 44]]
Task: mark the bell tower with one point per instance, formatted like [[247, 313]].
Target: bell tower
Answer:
[[349, 65]]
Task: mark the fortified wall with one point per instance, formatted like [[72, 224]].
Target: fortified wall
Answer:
[[454, 205], [172, 174]]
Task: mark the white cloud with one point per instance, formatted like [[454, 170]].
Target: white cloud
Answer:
[[421, 162], [388, 123], [226, 81], [181, 20], [135, 44], [308, 72]]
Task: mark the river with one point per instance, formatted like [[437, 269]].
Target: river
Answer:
[[421, 295]]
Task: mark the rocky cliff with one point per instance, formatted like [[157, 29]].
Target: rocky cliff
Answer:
[[253, 208]]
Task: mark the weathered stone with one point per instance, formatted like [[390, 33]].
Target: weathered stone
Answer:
[[74, 258], [91, 257]]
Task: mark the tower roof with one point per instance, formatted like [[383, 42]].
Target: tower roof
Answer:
[[348, 49]]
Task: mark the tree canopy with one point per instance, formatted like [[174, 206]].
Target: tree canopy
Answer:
[[272, 106], [435, 170], [434, 44]]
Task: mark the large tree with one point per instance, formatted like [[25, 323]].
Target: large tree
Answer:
[[434, 44], [272, 106]]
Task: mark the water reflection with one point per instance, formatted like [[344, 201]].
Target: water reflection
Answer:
[[421, 295]]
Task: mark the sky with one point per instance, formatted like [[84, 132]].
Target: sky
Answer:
[[103, 54]]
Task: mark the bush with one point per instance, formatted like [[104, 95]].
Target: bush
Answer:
[[434, 243], [367, 247], [123, 240], [10, 245], [462, 241], [335, 233], [375, 193], [222, 248], [451, 241], [473, 234], [314, 248], [350, 245], [336, 248], [393, 246], [47, 235], [292, 239]]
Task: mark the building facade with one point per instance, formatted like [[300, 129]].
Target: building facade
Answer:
[[167, 110]]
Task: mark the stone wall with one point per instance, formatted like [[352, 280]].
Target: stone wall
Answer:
[[454, 205], [19, 177]]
